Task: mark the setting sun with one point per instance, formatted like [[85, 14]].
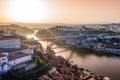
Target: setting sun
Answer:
[[26, 10]]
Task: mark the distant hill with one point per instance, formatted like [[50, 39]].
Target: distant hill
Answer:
[[19, 29], [38, 26], [54, 32]]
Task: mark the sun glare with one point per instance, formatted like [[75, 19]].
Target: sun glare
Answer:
[[26, 10], [30, 36]]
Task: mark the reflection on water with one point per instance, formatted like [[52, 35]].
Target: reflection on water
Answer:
[[98, 64]]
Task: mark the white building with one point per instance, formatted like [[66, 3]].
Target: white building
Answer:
[[3, 63], [9, 41], [28, 51], [6, 62], [18, 58], [118, 30]]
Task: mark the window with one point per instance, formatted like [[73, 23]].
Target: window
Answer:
[[3, 59]]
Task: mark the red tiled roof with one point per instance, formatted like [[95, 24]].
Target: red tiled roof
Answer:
[[17, 49], [14, 50], [8, 37], [10, 58], [20, 55], [1, 55]]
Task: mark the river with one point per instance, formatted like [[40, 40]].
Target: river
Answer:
[[98, 64]]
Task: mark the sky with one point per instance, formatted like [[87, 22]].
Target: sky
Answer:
[[60, 11]]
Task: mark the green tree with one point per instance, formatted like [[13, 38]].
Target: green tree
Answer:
[[102, 30], [13, 31], [1, 31]]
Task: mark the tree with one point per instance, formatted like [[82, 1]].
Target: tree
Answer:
[[102, 30], [1, 31]]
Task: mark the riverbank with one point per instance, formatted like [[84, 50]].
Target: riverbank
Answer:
[[105, 51], [85, 50], [92, 51], [65, 70]]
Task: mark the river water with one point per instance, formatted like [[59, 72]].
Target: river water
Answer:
[[98, 64]]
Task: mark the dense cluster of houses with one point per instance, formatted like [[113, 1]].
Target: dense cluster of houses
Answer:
[[106, 27], [99, 37], [101, 42]]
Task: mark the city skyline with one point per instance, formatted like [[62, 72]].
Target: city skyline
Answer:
[[60, 11]]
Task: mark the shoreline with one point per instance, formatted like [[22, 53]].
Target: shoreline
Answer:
[[95, 51], [61, 42]]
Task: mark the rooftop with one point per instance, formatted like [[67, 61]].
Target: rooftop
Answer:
[[14, 49], [31, 42], [17, 55], [1, 55], [8, 37]]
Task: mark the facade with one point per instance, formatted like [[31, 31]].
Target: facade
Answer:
[[9, 41], [24, 49], [3, 63], [18, 58], [28, 51], [7, 62]]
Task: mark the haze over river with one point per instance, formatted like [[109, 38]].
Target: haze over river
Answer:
[[98, 64]]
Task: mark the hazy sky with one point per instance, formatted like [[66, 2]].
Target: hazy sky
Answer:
[[62, 11]]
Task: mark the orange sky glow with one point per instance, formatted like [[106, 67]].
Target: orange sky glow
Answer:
[[60, 11]]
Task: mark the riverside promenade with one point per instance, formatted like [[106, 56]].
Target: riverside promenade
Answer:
[[63, 69]]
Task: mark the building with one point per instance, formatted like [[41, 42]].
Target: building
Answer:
[[8, 40], [3, 63], [7, 62], [10, 43], [18, 58], [34, 44], [13, 52]]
